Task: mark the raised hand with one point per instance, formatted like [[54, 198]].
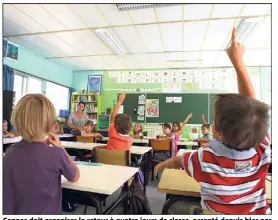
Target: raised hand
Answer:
[[236, 50], [122, 97]]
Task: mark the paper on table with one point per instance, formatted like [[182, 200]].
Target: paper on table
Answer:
[[63, 179]]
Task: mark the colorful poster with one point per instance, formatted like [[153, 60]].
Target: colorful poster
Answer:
[[141, 110], [152, 108], [156, 77], [94, 84], [184, 77], [12, 52]]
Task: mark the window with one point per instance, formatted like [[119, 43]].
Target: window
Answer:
[[34, 85], [19, 87], [59, 96]]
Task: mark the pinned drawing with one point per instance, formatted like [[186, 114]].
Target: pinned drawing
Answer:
[[152, 108], [156, 77], [129, 77]]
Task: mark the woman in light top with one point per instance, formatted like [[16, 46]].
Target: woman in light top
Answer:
[[77, 119]]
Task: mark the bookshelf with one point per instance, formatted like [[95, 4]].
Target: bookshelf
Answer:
[[92, 104]]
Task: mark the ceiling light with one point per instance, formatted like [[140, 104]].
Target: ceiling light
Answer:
[[112, 42], [246, 27], [131, 7]]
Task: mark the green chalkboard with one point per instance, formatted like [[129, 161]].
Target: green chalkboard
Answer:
[[131, 105], [211, 108], [191, 103]]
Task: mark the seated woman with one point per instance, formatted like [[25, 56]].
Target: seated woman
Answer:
[[77, 119], [6, 133]]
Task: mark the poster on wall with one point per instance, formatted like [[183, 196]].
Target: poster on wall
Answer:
[[165, 77], [94, 84], [112, 74], [5, 47], [174, 77], [156, 77], [152, 108], [138, 77], [184, 77], [147, 76], [171, 87], [121, 77], [12, 52], [129, 77]]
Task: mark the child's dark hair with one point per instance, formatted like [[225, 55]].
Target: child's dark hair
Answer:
[[89, 123], [79, 103], [123, 123], [206, 126], [241, 120], [178, 124], [167, 125]]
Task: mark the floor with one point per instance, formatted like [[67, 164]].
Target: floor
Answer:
[[155, 199]]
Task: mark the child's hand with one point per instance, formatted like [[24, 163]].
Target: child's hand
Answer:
[[122, 97], [54, 140], [99, 136], [236, 50], [190, 115], [158, 168], [203, 116]]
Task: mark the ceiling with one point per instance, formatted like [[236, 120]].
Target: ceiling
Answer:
[[196, 35]]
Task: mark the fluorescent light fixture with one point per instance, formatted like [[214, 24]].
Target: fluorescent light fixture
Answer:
[[112, 42], [245, 28]]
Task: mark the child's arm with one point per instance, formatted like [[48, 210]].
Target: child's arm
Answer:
[[178, 133], [235, 53], [117, 107], [61, 130], [173, 162], [203, 119]]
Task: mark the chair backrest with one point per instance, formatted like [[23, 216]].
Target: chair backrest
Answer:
[[85, 139], [111, 157], [137, 137], [161, 144]]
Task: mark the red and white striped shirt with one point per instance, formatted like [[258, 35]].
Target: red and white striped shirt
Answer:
[[232, 182]]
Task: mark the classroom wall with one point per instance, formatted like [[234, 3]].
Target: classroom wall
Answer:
[[38, 66]]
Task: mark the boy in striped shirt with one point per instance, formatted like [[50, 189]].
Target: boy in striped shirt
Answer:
[[232, 170]]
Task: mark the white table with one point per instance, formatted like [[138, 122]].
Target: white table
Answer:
[[98, 182], [104, 179], [80, 145], [188, 143], [139, 150], [65, 135], [135, 141], [182, 151], [12, 140]]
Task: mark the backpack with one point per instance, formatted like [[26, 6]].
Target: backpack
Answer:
[[140, 203]]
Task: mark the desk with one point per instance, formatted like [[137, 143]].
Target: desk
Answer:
[[177, 182], [65, 137], [12, 140], [99, 181], [135, 141], [139, 150], [182, 151], [187, 143], [80, 145]]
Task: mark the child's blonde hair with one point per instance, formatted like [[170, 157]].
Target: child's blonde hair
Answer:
[[34, 116]]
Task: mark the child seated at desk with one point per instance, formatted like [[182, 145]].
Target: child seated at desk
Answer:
[[88, 130], [58, 128], [32, 169], [137, 131], [119, 129], [6, 133], [232, 170]]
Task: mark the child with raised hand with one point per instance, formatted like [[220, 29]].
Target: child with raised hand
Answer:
[[32, 169], [88, 130], [237, 160], [119, 129], [58, 128], [206, 131], [6, 133]]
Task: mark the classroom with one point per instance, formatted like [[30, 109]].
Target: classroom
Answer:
[[143, 107]]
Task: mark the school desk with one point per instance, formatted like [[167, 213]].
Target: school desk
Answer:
[[175, 182], [65, 137], [80, 149], [12, 140], [182, 151], [135, 141], [96, 183], [188, 143]]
